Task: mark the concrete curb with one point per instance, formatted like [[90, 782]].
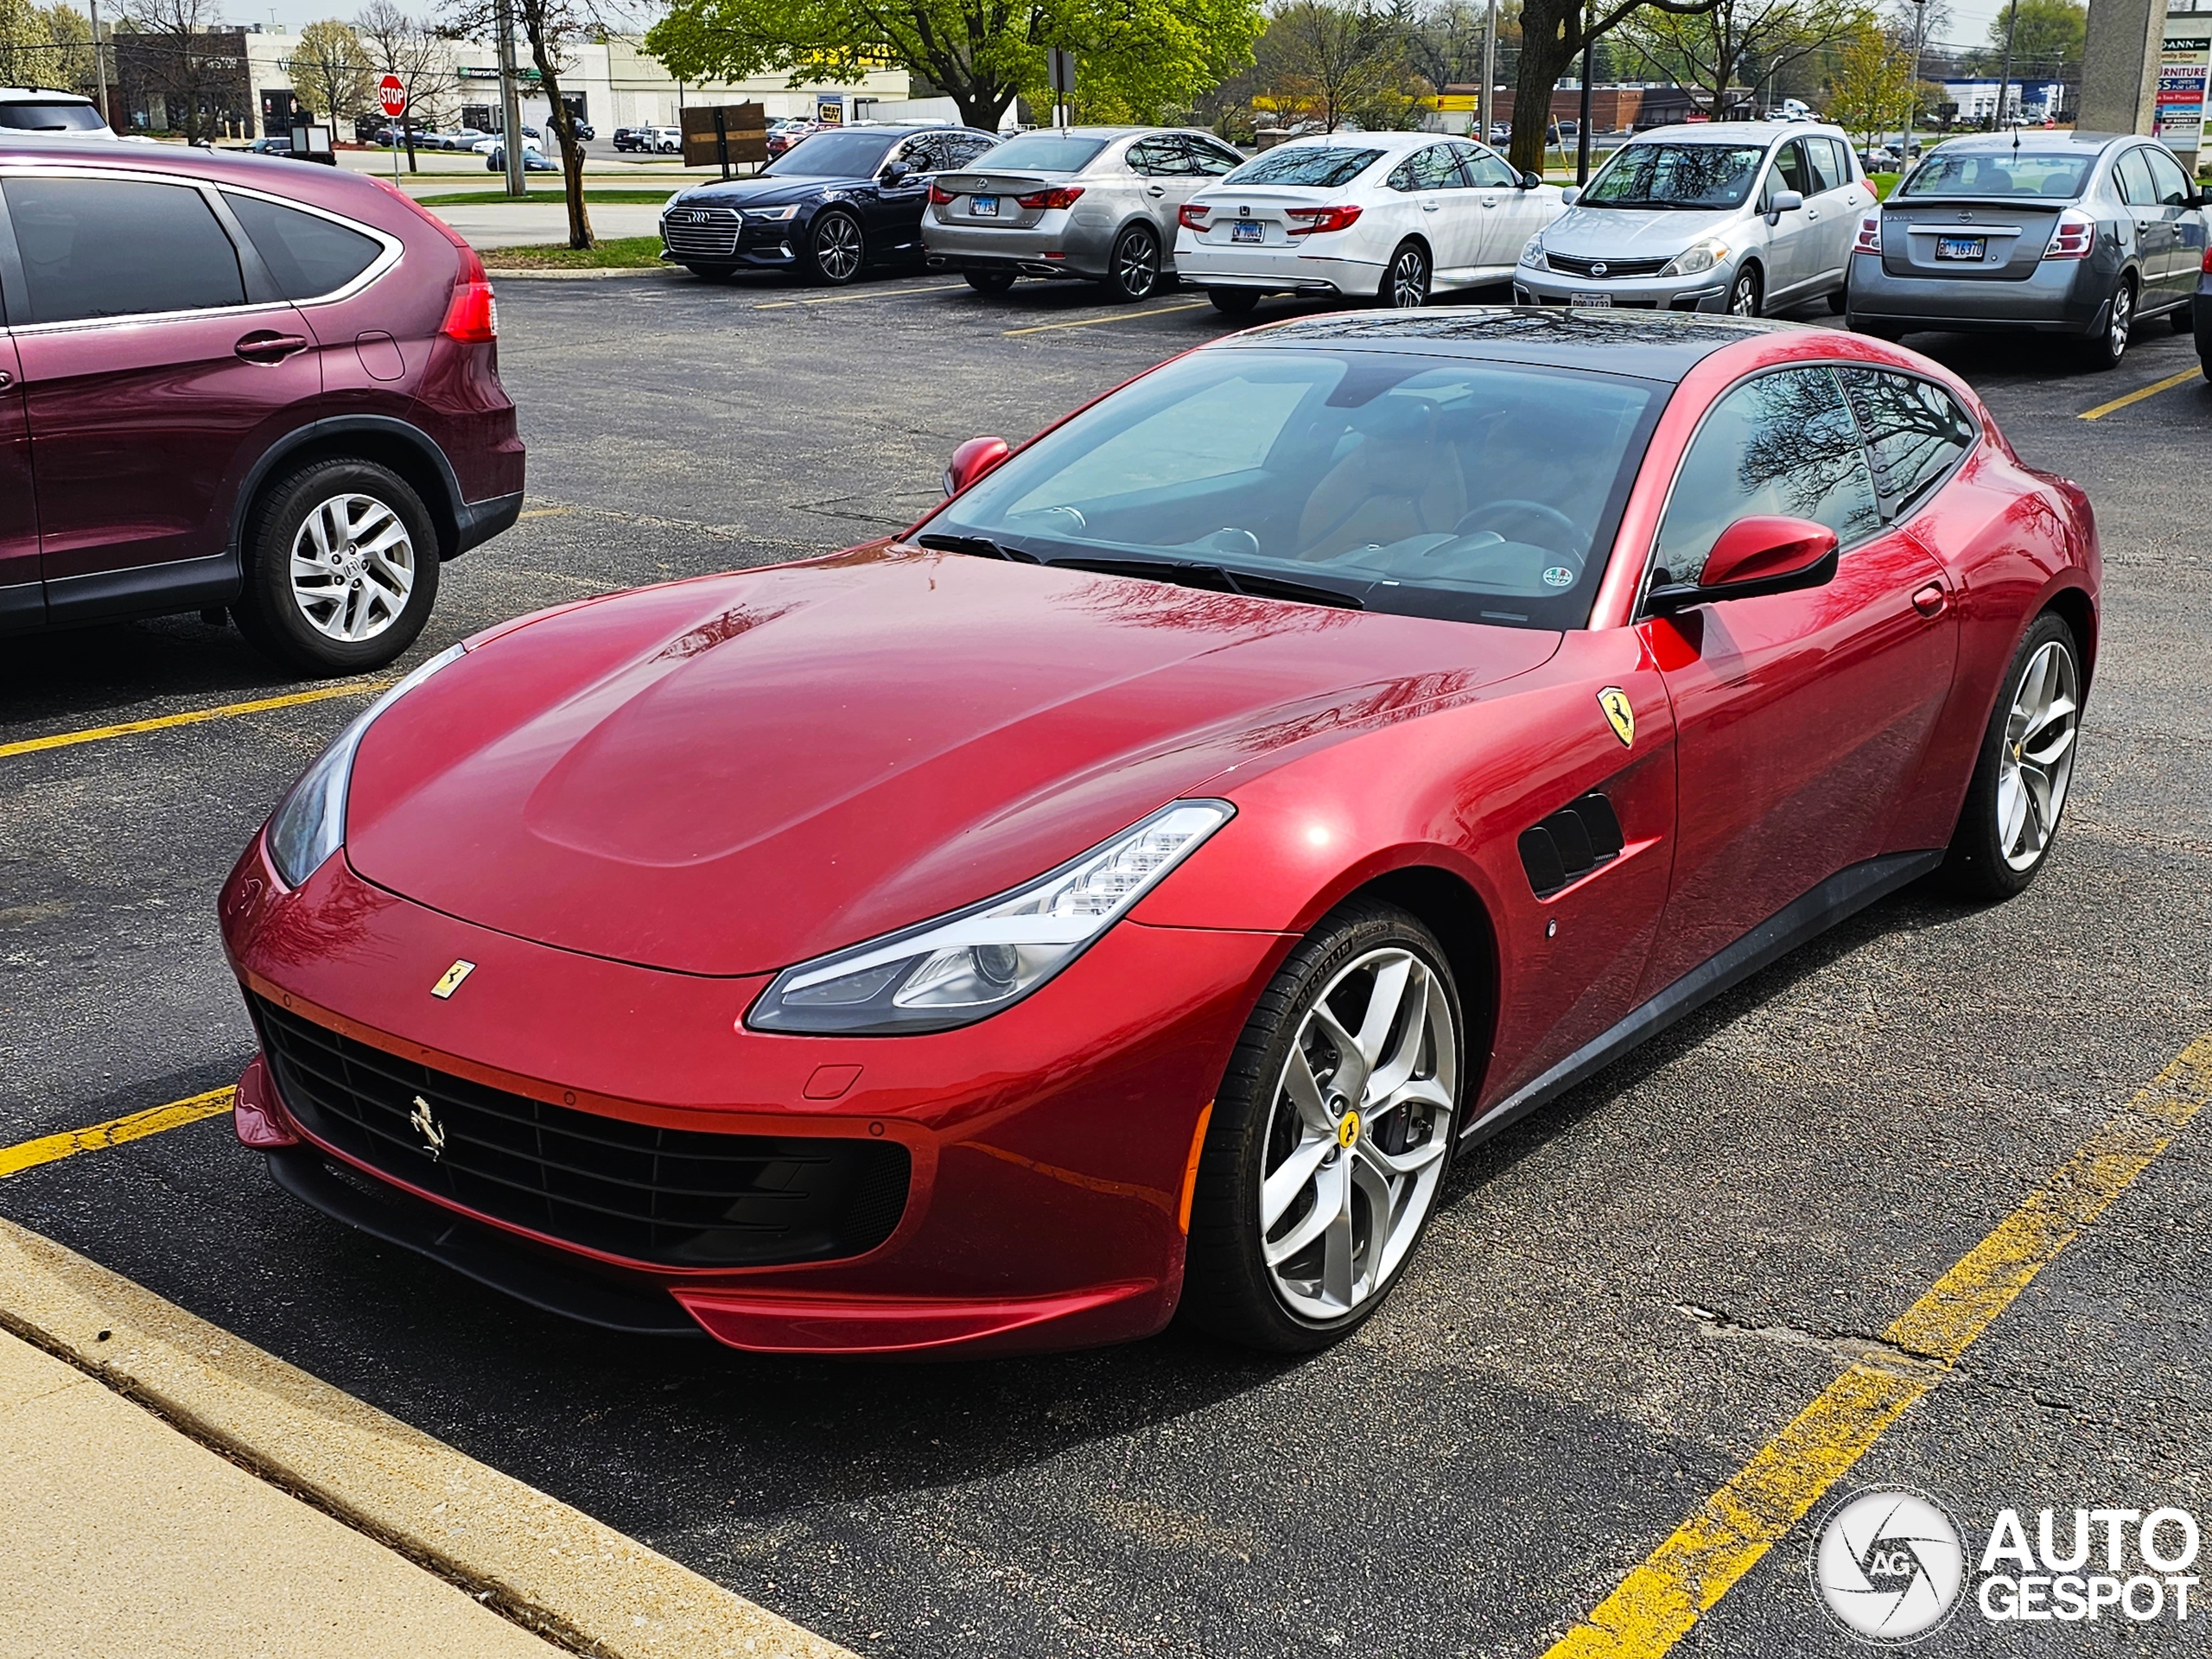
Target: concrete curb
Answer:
[[550, 1568]]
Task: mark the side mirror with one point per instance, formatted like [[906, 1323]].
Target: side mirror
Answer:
[[1781, 202], [1531, 180], [1568, 196], [895, 172], [1754, 557], [975, 458]]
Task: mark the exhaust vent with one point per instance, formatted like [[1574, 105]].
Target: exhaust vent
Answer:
[[1569, 844]]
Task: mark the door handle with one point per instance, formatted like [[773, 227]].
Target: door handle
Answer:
[[6, 379], [1428, 206], [264, 346], [1930, 600], [1157, 190]]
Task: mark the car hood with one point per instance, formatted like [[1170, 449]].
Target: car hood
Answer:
[[1632, 232], [728, 775], [760, 193]]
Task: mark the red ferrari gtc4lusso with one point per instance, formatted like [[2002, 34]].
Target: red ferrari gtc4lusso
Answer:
[[1125, 892]]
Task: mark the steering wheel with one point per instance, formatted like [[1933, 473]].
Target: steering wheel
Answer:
[[1521, 520]]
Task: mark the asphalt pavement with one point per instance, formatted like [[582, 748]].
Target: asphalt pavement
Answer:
[[1621, 1300]]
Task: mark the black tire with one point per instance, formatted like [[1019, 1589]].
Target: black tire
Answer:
[[1839, 303], [1872, 330], [2105, 349], [836, 250], [1406, 279], [1228, 1289], [1975, 865], [2182, 318], [711, 273], [1233, 302], [989, 282], [1746, 293], [276, 623], [1132, 269]]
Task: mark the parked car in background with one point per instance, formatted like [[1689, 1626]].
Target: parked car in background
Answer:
[[2076, 233], [586, 132], [1098, 202], [664, 141], [782, 134], [633, 138], [462, 138], [1740, 216], [843, 199], [533, 160], [275, 144], [273, 388], [35, 109], [1391, 216]]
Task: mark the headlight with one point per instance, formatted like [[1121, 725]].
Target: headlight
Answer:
[[675, 197], [1699, 255], [1533, 256], [958, 968], [773, 215], [309, 823]]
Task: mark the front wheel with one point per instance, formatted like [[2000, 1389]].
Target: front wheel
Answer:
[[2013, 806], [1329, 1138], [1133, 271], [1233, 302], [2105, 348], [835, 250], [1405, 283], [1745, 293]]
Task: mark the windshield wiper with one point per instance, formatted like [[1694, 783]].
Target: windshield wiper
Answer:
[[1217, 578], [981, 547]]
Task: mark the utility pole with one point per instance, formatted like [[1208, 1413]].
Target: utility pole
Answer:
[[1912, 85], [100, 59], [2005, 79], [1582, 121], [1489, 70], [510, 100]]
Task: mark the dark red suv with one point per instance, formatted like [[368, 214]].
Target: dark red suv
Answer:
[[241, 381]]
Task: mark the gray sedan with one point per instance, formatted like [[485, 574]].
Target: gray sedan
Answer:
[[2068, 233], [1099, 202]]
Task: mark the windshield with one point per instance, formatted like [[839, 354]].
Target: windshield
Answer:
[[1677, 176], [1039, 152], [1324, 166], [835, 156], [50, 117], [1424, 485], [2007, 173]]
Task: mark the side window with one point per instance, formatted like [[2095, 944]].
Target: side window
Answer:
[[1821, 156], [1791, 172], [2136, 188], [1153, 158], [965, 146], [117, 248], [2167, 178], [1783, 443], [1436, 169], [1401, 176], [1486, 170], [307, 256], [1212, 159], [1914, 431]]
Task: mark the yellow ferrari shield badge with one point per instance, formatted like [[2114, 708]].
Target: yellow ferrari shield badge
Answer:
[[449, 980], [1620, 714]]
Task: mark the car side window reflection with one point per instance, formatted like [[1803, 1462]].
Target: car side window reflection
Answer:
[[2167, 178], [119, 247], [1486, 170], [1211, 160], [1436, 169], [1784, 444], [2134, 174], [1914, 431]]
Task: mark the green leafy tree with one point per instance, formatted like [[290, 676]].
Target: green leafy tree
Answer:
[[45, 46], [1868, 92], [330, 71], [2047, 42], [1135, 59]]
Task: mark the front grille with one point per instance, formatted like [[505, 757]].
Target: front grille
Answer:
[[707, 231], [678, 1197], [1575, 265]]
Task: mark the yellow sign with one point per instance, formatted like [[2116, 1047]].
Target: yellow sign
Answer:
[[1464, 102], [1620, 714]]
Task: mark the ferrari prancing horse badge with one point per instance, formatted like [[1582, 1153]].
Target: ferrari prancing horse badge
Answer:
[[1620, 714], [449, 980]]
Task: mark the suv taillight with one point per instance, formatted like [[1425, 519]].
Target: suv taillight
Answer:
[[939, 196], [1060, 195], [1319, 219], [1869, 239], [2074, 236], [1192, 215], [472, 315]]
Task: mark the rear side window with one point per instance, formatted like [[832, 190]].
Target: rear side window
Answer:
[[1823, 155], [1784, 443], [1212, 159], [2135, 186], [308, 256], [119, 248], [1158, 158], [1915, 432]]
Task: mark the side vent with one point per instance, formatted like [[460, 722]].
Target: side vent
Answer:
[[1569, 844]]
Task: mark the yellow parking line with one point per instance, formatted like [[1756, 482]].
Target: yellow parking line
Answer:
[[52, 1149], [1659, 1602], [878, 293], [1118, 316], [2151, 390], [192, 717]]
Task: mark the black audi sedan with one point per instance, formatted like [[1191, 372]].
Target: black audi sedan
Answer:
[[836, 202]]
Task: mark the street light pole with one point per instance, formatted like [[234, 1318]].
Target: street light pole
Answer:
[[1489, 70], [1912, 85], [510, 99], [1582, 116], [2005, 79]]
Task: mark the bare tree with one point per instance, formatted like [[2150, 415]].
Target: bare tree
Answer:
[[550, 27], [415, 55], [178, 54], [1331, 62], [1553, 35], [1738, 41]]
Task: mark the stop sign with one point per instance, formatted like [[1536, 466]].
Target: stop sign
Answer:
[[392, 96]]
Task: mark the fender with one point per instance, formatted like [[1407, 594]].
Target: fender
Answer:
[[451, 513]]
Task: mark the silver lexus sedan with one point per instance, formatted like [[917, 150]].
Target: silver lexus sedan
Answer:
[[1098, 202], [2081, 233]]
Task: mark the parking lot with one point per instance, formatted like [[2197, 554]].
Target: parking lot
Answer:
[[1621, 1301]]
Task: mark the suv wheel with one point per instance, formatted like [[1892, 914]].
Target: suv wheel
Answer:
[[341, 568], [834, 248]]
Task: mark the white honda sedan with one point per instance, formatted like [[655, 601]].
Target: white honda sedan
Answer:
[[1392, 216]]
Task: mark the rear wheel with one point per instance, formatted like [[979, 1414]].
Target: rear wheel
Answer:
[[989, 282], [1745, 293], [835, 250], [1133, 271], [2013, 806], [1839, 302], [1888, 331], [2105, 348], [1329, 1138], [1233, 302], [1405, 282], [341, 568]]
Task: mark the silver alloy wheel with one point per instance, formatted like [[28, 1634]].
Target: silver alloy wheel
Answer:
[[1136, 265], [1356, 1134], [837, 247], [2123, 320], [353, 567], [1744, 298], [1408, 280], [2037, 761]]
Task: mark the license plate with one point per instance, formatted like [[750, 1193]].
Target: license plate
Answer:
[[1961, 247], [982, 207], [1602, 300], [1243, 232]]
